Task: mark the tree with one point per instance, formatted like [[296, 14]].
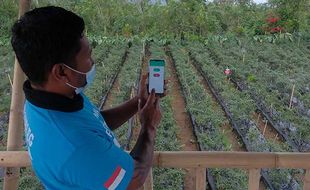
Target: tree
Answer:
[[294, 14]]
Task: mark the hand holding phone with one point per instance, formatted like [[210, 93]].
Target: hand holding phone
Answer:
[[156, 75]]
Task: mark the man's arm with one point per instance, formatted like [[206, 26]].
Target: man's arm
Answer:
[[143, 151], [117, 116]]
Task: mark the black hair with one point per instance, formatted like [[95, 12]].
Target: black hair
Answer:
[[44, 37]]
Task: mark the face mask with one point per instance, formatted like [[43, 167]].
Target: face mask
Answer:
[[90, 75]]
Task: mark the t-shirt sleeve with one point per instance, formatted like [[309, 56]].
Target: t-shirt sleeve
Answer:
[[99, 165]]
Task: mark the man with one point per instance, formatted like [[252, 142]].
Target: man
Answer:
[[70, 142]]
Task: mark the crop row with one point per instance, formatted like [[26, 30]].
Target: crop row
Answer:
[[240, 107]]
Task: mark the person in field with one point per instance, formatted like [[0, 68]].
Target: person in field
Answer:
[[70, 141]]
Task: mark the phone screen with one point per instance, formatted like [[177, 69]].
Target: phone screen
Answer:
[[156, 75]]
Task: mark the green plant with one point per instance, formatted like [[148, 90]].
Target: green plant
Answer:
[[209, 119], [166, 138]]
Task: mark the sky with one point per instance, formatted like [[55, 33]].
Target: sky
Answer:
[[260, 1], [256, 1]]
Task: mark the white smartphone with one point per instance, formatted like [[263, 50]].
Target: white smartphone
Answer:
[[156, 75]]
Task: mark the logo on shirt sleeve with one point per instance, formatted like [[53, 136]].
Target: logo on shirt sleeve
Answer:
[[115, 178]]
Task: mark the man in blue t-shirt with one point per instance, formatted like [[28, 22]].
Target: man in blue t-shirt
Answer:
[[70, 142]]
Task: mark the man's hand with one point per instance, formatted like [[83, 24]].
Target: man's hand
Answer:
[[143, 90], [150, 113], [143, 151]]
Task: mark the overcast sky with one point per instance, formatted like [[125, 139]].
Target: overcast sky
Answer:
[[257, 1], [260, 1]]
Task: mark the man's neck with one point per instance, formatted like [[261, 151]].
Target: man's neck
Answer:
[[50, 88]]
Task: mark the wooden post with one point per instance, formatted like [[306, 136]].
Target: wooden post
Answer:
[[15, 131], [11, 83], [265, 127], [307, 180], [131, 122], [200, 178], [254, 177], [292, 95], [148, 185], [275, 138]]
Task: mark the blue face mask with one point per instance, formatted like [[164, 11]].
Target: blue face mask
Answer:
[[90, 75]]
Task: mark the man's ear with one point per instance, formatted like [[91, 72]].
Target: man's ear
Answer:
[[59, 73]]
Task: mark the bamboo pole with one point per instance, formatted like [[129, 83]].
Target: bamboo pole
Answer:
[[15, 130], [245, 160], [275, 138], [196, 159], [254, 176], [11, 83], [266, 122], [307, 180], [200, 181], [292, 95], [14, 159], [148, 185]]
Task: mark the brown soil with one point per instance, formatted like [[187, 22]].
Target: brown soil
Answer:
[[137, 126], [236, 144], [233, 138], [185, 134], [115, 85], [111, 94], [270, 132]]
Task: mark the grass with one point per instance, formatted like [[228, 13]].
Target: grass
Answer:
[[166, 137], [241, 106], [108, 60], [126, 81], [209, 120], [268, 70], [274, 69]]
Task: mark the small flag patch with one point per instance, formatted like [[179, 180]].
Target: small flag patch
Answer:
[[115, 178]]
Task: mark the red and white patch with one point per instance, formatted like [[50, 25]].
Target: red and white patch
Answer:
[[227, 72], [115, 178]]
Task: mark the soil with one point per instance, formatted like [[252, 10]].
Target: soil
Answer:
[[110, 98], [270, 132], [234, 140], [185, 134], [236, 143], [137, 126]]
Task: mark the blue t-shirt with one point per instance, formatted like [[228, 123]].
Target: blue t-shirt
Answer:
[[75, 149]]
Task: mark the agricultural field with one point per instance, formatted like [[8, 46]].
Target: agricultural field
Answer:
[[252, 109], [237, 71]]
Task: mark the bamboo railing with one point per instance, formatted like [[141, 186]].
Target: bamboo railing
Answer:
[[200, 160], [15, 130]]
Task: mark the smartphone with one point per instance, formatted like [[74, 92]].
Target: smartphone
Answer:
[[156, 75]]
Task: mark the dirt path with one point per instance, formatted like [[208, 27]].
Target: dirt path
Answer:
[[115, 85], [236, 143], [266, 129], [185, 135], [234, 140], [136, 125], [110, 98]]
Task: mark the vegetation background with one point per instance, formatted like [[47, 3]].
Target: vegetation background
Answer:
[[190, 20]]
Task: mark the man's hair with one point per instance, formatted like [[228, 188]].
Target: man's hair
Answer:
[[44, 37]]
